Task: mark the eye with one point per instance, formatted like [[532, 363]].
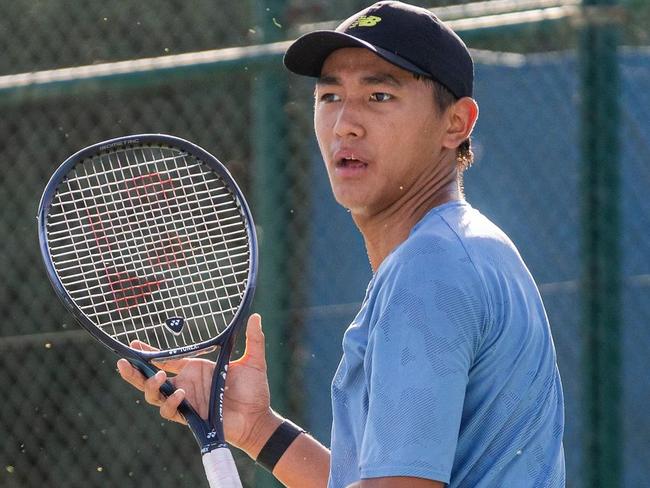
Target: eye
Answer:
[[329, 97], [381, 97]]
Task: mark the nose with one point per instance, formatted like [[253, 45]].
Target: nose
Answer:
[[348, 123]]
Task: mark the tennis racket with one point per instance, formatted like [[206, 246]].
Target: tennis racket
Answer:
[[148, 238]]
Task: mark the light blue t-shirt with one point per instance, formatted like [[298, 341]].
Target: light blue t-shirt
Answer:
[[449, 370]]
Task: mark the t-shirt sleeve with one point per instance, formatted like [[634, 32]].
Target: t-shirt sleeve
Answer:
[[427, 324]]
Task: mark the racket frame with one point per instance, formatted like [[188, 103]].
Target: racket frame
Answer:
[[209, 435]]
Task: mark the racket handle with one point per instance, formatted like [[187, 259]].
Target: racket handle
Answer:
[[220, 469]]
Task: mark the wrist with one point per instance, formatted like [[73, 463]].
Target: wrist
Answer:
[[278, 444], [262, 430]]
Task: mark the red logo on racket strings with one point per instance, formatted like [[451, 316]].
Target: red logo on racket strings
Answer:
[[147, 189], [148, 192], [175, 324], [129, 291]]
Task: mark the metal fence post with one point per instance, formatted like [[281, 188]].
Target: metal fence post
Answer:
[[270, 150], [601, 263]]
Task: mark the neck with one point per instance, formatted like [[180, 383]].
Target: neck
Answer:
[[384, 231]]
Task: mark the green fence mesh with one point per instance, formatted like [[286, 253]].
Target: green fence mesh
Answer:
[[67, 420]]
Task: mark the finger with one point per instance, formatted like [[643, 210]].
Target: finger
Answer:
[[142, 346], [254, 351], [172, 366], [152, 386], [130, 374], [169, 408]]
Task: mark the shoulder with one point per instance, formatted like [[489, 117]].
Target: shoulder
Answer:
[[437, 250], [455, 263], [430, 285], [464, 248]]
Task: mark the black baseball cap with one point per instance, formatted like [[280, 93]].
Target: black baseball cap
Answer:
[[410, 37]]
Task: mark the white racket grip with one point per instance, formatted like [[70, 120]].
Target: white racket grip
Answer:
[[220, 469]]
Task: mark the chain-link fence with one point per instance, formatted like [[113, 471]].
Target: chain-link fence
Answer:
[[67, 420]]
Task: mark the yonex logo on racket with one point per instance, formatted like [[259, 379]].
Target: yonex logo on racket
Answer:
[[366, 21], [175, 324], [183, 350]]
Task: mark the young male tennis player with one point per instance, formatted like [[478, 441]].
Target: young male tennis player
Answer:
[[448, 374]]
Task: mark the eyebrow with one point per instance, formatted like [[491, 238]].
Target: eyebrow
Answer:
[[373, 79]]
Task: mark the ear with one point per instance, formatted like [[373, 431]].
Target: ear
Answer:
[[461, 118]]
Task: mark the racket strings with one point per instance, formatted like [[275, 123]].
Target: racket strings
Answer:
[[139, 237], [201, 302], [231, 248]]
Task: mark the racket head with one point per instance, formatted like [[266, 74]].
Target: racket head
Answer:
[[150, 197]]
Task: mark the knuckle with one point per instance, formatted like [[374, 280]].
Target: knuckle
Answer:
[[152, 397]]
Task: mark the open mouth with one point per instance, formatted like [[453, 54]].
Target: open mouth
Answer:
[[351, 163]]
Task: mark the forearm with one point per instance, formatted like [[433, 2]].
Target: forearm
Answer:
[[304, 464]]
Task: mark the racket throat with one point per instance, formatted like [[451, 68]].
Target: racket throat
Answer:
[[218, 389]]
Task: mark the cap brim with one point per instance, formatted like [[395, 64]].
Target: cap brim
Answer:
[[308, 53]]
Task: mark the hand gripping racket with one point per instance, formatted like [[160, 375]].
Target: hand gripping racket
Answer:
[[148, 238]]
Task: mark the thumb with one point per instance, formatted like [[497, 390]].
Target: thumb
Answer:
[[255, 353]]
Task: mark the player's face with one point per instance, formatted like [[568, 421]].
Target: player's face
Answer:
[[378, 131]]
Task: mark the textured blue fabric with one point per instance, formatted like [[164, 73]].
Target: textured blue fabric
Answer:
[[449, 370]]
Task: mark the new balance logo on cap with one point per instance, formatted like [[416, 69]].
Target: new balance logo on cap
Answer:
[[365, 21]]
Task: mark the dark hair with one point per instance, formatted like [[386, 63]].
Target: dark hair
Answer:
[[444, 99]]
